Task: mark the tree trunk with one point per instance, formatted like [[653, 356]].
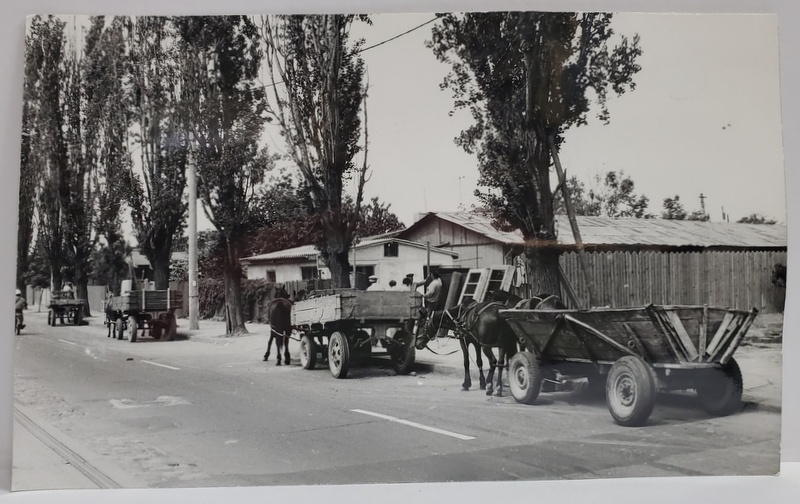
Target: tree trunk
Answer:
[[82, 292], [232, 274], [161, 264], [542, 265], [339, 265]]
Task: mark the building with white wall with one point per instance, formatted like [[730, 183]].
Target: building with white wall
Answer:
[[384, 256]]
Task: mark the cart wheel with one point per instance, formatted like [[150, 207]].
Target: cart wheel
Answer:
[[133, 326], [630, 391], [338, 355], [720, 392], [525, 377], [403, 353], [51, 318], [120, 327], [78, 318], [308, 352]]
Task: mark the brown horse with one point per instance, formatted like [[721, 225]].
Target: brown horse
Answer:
[[477, 324], [480, 325], [280, 324]]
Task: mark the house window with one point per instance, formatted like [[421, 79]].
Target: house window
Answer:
[[309, 272], [390, 249], [271, 276]]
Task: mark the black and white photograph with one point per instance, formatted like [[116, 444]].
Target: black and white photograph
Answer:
[[359, 249]]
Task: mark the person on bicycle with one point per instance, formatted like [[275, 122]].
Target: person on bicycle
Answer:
[[20, 304]]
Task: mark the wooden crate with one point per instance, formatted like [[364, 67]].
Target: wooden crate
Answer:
[[156, 300], [356, 305]]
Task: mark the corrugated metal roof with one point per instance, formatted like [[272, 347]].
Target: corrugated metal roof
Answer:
[[310, 251], [631, 231]]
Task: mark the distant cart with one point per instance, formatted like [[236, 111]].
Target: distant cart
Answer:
[[632, 353], [348, 325], [150, 312], [63, 306]]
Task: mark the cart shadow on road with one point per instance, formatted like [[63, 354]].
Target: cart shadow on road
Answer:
[[670, 408]]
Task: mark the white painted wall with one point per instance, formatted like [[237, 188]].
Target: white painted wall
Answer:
[[409, 260]]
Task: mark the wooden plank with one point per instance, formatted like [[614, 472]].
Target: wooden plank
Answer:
[[683, 337], [730, 333], [600, 335], [637, 342], [719, 334], [739, 337], [703, 333], [656, 320]]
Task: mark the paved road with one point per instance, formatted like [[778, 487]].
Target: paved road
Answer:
[[204, 412]]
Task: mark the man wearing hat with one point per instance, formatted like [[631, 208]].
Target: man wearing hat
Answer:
[[20, 304]]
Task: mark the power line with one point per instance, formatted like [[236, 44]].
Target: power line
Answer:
[[265, 86], [397, 36]]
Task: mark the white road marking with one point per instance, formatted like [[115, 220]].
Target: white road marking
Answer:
[[68, 342], [161, 401], [414, 424], [161, 365]]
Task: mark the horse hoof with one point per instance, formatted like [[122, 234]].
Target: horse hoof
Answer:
[[489, 392], [278, 364], [483, 387], [464, 389]]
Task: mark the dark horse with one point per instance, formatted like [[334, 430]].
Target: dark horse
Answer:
[[480, 325], [280, 324]]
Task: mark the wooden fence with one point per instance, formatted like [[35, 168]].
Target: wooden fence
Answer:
[[741, 280]]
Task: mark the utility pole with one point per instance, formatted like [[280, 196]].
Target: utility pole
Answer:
[[194, 305]]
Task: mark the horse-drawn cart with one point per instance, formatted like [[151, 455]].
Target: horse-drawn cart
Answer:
[[354, 323], [151, 311], [64, 305], [632, 353]]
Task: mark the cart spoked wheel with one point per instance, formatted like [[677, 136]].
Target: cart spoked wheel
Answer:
[[630, 391], [133, 326], [308, 352], [120, 328], [525, 377], [403, 353], [338, 355], [720, 391]]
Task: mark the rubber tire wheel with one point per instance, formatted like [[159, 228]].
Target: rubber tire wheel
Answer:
[[630, 391], [308, 352], [525, 377], [338, 355], [133, 326], [403, 356], [720, 392], [119, 328]]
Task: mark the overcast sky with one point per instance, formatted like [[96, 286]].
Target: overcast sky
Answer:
[[704, 118]]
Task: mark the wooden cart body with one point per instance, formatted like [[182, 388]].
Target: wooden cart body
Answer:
[[681, 347], [359, 321], [151, 312], [63, 306]]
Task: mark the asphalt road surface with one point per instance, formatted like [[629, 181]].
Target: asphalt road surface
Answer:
[[203, 412]]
